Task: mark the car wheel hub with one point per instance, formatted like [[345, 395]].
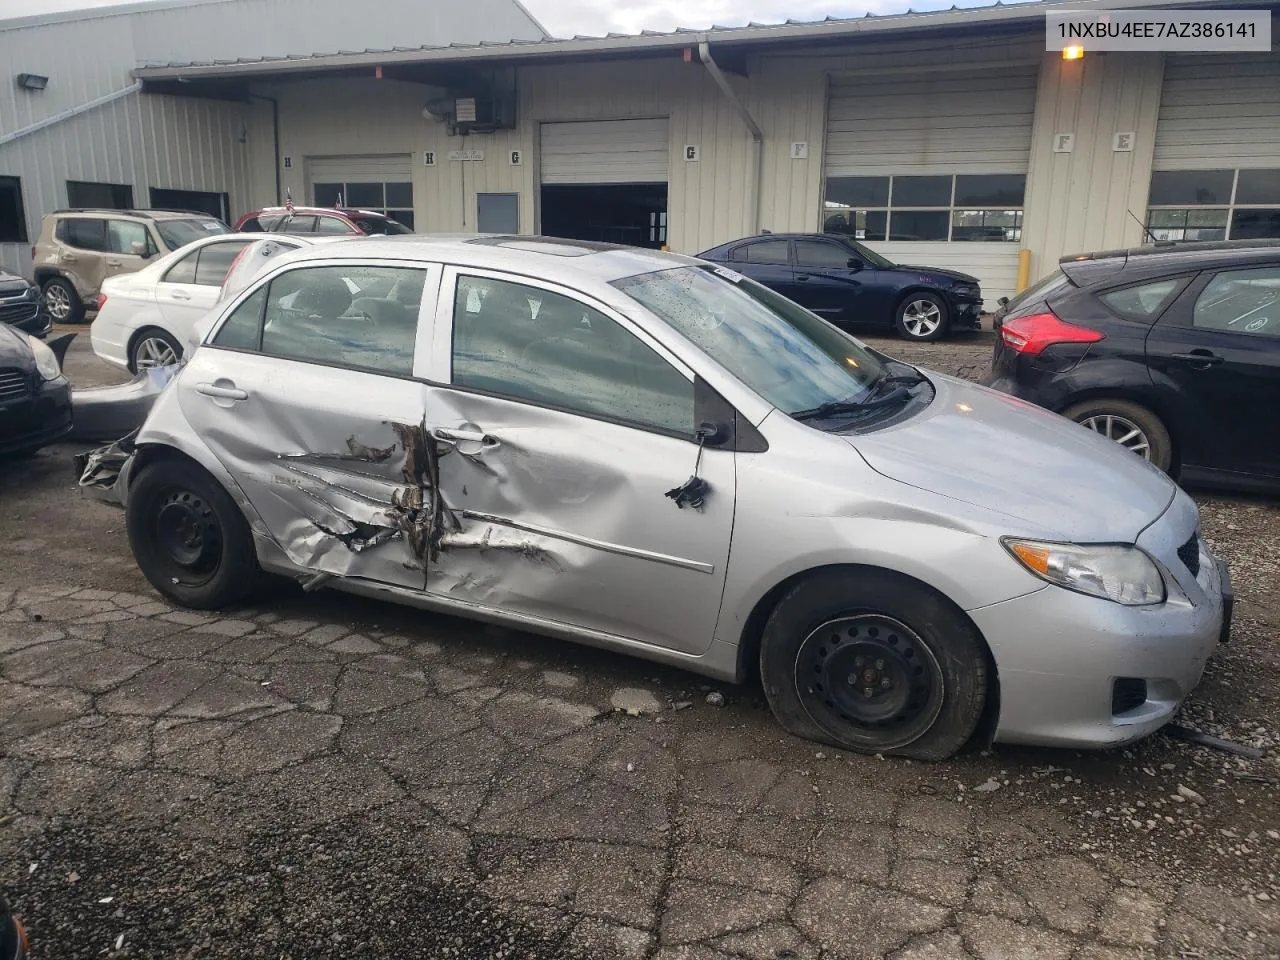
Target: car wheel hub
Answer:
[[57, 302], [187, 534], [1122, 430], [921, 317], [154, 352], [871, 679]]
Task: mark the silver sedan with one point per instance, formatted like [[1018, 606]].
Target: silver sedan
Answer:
[[653, 454]]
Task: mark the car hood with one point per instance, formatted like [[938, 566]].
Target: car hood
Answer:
[[935, 274], [11, 284], [1003, 454], [15, 348]]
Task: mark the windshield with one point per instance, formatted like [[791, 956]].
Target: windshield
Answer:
[[790, 357], [869, 256], [178, 233], [379, 226]]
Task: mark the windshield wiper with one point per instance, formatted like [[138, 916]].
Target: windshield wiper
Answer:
[[863, 404]]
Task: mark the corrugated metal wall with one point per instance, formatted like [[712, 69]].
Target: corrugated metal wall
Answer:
[[1081, 200], [1219, 110]]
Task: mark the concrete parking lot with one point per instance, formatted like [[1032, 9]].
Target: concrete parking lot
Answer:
[[321, 776]]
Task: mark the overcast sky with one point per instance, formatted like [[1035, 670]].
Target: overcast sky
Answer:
[[569, 17]]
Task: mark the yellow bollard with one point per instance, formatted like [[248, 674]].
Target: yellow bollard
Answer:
[[1024, 270]]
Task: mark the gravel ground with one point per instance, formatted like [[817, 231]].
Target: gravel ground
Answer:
[[327, 777]]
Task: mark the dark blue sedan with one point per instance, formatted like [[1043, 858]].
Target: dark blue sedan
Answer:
[[843, 281]]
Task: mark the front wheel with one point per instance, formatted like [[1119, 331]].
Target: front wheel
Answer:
[[922, 317], [188, 536], [870, 661]]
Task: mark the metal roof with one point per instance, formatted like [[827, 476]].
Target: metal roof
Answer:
[[649, 41]]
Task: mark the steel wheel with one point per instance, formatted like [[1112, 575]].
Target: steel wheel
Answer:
[[154, 352], [921, 318], [58, 302], [188, 536], [871, 677], [1122, 430]]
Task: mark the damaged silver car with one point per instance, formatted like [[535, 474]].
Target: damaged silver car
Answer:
[[653, 454]]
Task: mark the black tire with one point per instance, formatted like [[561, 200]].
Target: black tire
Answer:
[[917, 305], [925, 664], [189, 538], [61, 301], [1155, 444], [149, 336]]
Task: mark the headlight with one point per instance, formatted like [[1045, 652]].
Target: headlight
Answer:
[[46, 362], [1123, 574]]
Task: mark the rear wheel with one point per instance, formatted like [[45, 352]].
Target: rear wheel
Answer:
[[870, 661], [922, 317], [61, 301], [189, 538], [1132, 426], [153, 347]]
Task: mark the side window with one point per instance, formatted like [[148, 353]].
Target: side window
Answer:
[[816, 253], [184, 271], [765, 251], [1141, 301], [1241, 301], [215, 261], [128, 237], [252, 225], [530, 344], [240, 331], [298, 225], [331, 225], [86, 234], [327, 315]]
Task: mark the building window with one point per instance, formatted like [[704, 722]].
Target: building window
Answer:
[[1214, 205], [948, 207], [82, 194], [13, 218], [393, 199]]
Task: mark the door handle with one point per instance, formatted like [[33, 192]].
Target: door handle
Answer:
[[465, 436], [803, 278], [1201, 359], [69, 258], [179, 295], [115, 263], [221, 391]]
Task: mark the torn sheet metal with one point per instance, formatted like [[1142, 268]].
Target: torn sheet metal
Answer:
[[100, 470], [105, 413]]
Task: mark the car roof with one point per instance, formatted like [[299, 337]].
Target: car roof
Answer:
[[337, 211], [838, 237], [548, 258], [1167, 257], [141, 214]]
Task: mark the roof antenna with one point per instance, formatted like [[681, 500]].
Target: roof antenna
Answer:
[[1145, 229]]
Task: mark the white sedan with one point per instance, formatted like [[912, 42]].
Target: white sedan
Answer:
[[145, 319]]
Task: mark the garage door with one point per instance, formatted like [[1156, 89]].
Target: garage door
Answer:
[[380, 183], [605, 151], [931, 168], [1216, 170]]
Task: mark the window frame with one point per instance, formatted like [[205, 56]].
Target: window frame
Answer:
[[760, 241], [64, 226], [226, 240], [191, 255], [951, 209], [20, 232], [1181, 282], [823, 240], [1229, 208], [441, 370], [149, 243], [424, 340]]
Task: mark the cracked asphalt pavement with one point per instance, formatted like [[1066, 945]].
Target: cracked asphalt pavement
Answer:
[[322, 776]]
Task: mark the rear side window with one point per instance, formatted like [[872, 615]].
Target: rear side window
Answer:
[[1142, 301], [84, 234], [184, 271], [766, 251], [326, 315], [215, 261], [332, 225], [299, 225]]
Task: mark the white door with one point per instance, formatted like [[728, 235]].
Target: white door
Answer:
[[189, 288], [606, 151]]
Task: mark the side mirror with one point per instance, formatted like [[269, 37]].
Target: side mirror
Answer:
[[712, 433], [1003, 301], [855, 264]]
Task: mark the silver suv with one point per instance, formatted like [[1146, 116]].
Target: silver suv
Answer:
[[78, 249]]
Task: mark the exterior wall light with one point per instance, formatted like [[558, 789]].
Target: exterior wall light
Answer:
[[1073, 53], [32, 81]]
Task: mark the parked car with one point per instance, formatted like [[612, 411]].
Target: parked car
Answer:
[[79, 249], [21, 308], [145, 319], [334, 221], [1171, 350], [35, 398], [845, 282], [13, 939], [652, 454]]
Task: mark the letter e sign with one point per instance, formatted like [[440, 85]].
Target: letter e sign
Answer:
[[1123, 143]]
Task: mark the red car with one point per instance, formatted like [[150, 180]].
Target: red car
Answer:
[[333, 221]]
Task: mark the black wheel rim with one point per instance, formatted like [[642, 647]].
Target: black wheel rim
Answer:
[[187, 537], [870, 680]]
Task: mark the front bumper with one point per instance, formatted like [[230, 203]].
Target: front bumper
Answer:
[[965, 312], [1060, 654], [38, 419]]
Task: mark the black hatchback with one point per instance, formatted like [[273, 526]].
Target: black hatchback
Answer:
[[1172, 350]]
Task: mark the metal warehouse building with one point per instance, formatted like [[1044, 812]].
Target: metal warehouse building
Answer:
[[950, 138]]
